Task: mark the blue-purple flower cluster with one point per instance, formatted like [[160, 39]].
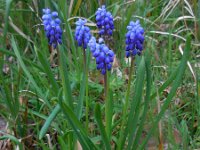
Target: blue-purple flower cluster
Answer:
[[52, 27], [134, 39], [104, 21], [104, 56], [82, 33]]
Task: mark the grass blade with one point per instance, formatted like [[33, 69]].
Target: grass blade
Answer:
[[65, 79], [8, 4], [47, 69], [146, 102], [132, 121], [77, 7], [62, 143], [135, 105], [49, 120], [80, 132], [30, 77], [176, 83], [81, 96], [24, 59], [166, 84], [12, 138], [98, 118]]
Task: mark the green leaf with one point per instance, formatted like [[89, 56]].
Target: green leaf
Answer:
[[49, 120], [24, 59], [8, 4], [65, 79], [135, 104], [27, 73], [76, 125], [12, 138], [63, 145], [176, 83], [47, 69], [98, 118], [166, 84], [72, 44], [147, 100]]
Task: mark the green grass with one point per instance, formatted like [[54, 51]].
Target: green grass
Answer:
[[61, 102]]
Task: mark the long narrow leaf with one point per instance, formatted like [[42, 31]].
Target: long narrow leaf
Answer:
[[49, 120], [80, 132], [146, 102], [12, 138], [28, 74], [98, 118], [8, 4], [135, 104], [135, 101], [24, 59], [47, 69], [81, 97], [65, 78], [176, 83]]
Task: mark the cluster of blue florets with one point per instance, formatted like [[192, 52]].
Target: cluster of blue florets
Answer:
[[104, 21], [134, 39], [103, 55], [52, 27], [82, 33]]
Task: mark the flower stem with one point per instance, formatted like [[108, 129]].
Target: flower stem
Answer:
[[108, 106], [129, 85], [106, 101], [86, 90], [124, 112], [105, 85]]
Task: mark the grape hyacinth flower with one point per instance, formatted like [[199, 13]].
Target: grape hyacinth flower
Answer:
[[103, 55], [104, 21], [134, 39], [82, 33], [52, 27]]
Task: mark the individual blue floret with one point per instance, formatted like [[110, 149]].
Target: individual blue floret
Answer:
[[134, 39], [104, 21], [52, 27], [103, 55], [82, 33]]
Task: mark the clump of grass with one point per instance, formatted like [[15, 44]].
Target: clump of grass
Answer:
[[52, 97]]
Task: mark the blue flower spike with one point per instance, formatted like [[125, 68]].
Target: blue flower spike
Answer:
[[104, 21], [52, 27], [82, 33], [103, 55], [134, 39]]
